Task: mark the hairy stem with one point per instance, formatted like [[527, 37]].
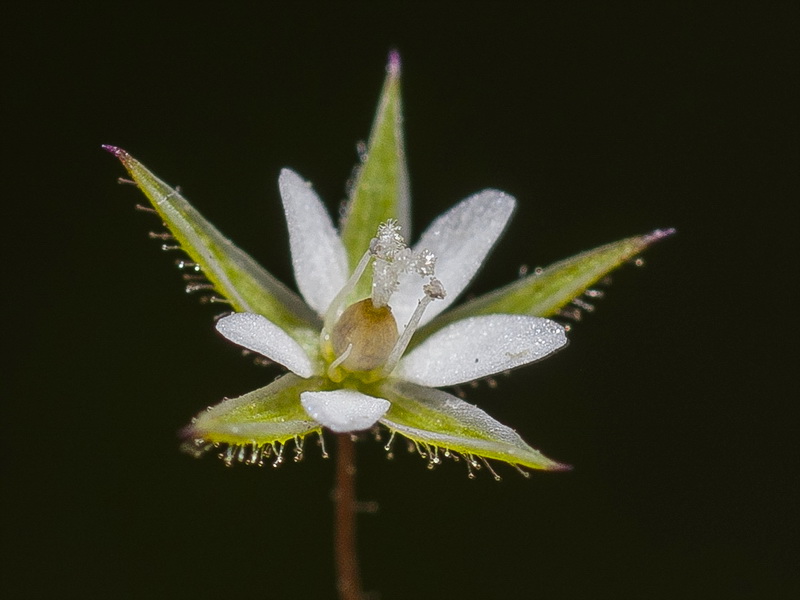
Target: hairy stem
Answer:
[[348, 577]]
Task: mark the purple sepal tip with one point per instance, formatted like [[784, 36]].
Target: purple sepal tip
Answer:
[[394, 63], [658, 234], [118, 152]]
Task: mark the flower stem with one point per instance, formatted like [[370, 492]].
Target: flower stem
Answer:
[[348, 577]]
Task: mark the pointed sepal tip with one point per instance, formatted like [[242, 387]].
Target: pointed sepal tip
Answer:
[[393, 66]]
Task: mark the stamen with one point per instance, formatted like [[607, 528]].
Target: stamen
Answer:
[[391, 253], [333, 373], [337, 307], [434, 290]]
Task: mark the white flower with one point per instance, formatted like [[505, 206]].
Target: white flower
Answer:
[[361, 373], [368, 345]]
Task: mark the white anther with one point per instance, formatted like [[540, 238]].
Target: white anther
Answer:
[[393, 258], [434, 289]]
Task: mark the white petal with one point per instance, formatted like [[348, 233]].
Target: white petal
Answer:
[[480, 346], [344, 410], [460, 238], [318, 256], [259, 334]]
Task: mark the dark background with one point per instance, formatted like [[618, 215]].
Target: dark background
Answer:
[[672, 401]]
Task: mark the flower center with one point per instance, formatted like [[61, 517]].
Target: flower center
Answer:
[[363, 338], [366, 333]]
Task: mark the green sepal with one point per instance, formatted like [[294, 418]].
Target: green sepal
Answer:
[[544, 293], [381, 187], [269, 415], [437, 421], [236, 277]]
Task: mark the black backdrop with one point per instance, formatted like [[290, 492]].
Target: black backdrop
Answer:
[[671, 402]]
